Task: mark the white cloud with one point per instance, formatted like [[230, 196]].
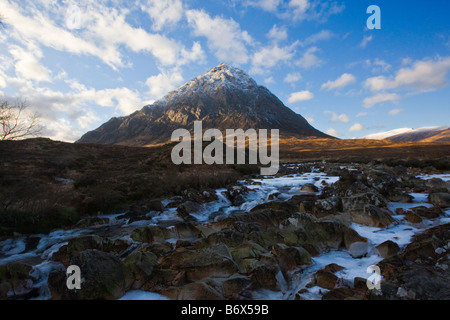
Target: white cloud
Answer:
[[343, 81], [380, 98], [309, 59], [277, 33], [362, 114], [104, 30], [365, 41], [269, 80], [337, 117], [300, 96], [320, 36], [224, 36], [423, 75], [61, 130], [356, 127], [378, 65], [395, 112], [292, 77], [163, 12], [333, 132], [271, 56], [27, 65], [300, 10], [266, 5], [163, 83]]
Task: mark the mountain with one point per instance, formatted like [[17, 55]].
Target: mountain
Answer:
[[427, 134], [223, 98]]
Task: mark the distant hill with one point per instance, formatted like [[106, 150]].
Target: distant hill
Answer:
[[428, 134], [223, 98]]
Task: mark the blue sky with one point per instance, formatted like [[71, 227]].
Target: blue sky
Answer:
[[79, 63]]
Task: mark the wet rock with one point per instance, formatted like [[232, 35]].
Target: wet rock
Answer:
[[304, 202], [104, 276], [149, 234], [427, 213], [76, 246], [236, 195], [412, 217], [373, 216], [383, 180], [229, 237], [288, 207], [141, 264], [331, 205], [16, 281], [399, 196], [333, 267], [290, 258], [387, 249], [92, 221], [416, 272], [234, 285], [358, 249], [440, 199], [436, 185], [188, 207], [325, 279], [310, 188], [31, 242], [247, 250], [357, 202], [199, 290], [272, 196], [213, 261], [155, 205], [267, 277]]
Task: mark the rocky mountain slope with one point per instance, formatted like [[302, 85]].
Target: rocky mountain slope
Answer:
[[223, 98]]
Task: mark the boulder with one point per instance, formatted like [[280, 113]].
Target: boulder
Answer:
[[436, 185], [387, 249], [358, 249], [331, 205], [290, 258], [199, 290], [104, 277], [213, 261], [16, 281], [333, 267], [155, 205], [412, 217], [234, 285], [92, 221], [373, 216], [421, 271], [188, 207], [267, 277], [440, 199], [310, 188], [357, 202], [399, 196], [383, 180], [427, 213], [325, 279], [235, 195], [141, 264]]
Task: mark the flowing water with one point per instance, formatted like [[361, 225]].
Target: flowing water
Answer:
[[38, 249]]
